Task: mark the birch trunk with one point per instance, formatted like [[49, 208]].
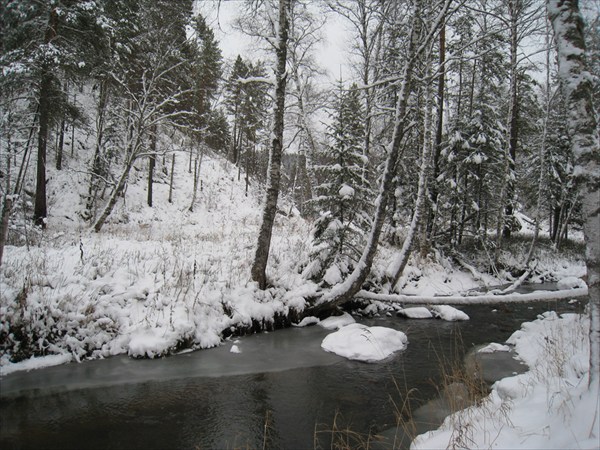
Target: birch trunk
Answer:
[[259, 266], [576, 82], [402, 259]]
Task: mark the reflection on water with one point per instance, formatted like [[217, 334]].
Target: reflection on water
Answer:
[[282, 390]]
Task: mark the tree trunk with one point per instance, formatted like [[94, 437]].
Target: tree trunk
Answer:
[[576, 82], [171, 179], [263, 245], [97, 160], [114, 195], [197, 168], [40, 210], [151, 164], [26, 155], [61, 143], [437, 149], [7, 205], [513, 120], [402, 259]]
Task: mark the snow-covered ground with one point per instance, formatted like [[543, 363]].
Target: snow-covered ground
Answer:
[[154, 279], [550, 406]]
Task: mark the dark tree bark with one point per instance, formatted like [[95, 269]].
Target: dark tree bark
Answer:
[[40, 210], [513, 119], [171, 179], [61, 144], [263, 245], [437, 149], [151, 164]]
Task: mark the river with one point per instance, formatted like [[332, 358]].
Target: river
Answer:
[[281, 391]]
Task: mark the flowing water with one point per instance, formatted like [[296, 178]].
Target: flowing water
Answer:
[[281, 391]]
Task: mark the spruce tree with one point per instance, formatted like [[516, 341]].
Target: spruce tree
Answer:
[[344, 195]]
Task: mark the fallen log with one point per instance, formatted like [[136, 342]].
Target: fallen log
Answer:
[[474, 299]]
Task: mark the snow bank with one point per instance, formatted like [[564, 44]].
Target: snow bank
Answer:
[[35, 363], [548, 407], [362, 343]]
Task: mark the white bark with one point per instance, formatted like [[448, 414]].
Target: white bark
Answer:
[[576, 81]]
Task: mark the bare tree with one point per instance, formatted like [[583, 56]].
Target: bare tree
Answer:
[[259, 266], [149, 104]]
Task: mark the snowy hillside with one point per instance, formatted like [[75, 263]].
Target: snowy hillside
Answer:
[[155, 278]]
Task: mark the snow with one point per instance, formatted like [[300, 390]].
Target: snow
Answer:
[[416, 312], [494, 347], [362, 343], [571, 283], [333, 275], [346, 191], [235, 349], [154, 278], [336, 322], [550, 406], [310, 320], [36, 363], [449, 313]]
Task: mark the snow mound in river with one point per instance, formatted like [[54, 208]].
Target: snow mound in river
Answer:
[[337, 322], [449, 313], [362, 343]]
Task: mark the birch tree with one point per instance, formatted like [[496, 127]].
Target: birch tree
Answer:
[[259, 265], [576, 79]]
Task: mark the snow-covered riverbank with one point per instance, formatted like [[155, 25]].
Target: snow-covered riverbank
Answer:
[[550, 406]]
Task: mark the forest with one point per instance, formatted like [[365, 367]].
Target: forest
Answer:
[[160, 195]]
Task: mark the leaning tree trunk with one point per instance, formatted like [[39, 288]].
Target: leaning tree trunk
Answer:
[[344, 291], [400, 263], [132, 155], [259, 266], [576, 82]]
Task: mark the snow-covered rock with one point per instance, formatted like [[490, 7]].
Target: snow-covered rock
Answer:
[[493, 348], [310, 320], [336, 322], [571, 283], [449, 313], [417, 312], [362, 343]]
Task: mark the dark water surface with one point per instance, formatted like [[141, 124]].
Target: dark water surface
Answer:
[[281, 391]]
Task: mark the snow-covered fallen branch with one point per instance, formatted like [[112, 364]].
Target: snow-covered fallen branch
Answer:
[[475, 299]]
